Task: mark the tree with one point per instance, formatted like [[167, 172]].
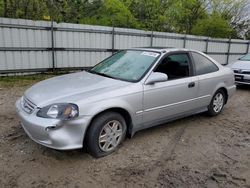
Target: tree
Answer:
[[27, 9], [146, 12], [67, 10], [213, 26], [112, 12], [236, 13], [1, 8], [185, 14], [248, 35], [181, 16]]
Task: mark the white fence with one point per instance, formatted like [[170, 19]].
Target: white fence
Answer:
[[29, 46]]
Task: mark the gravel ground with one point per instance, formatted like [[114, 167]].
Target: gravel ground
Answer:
[[197, 151]]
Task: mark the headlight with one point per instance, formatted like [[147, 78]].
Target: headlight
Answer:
[[62, 111]]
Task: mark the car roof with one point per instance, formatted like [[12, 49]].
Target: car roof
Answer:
[[161, 49], [172, 49]]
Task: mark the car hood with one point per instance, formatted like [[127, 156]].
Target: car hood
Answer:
[[59, 88], [241, 65]]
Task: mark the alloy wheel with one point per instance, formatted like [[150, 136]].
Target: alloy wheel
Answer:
[[218, 102], [110, 135]]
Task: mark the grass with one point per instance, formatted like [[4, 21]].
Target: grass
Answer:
[[27, 80]]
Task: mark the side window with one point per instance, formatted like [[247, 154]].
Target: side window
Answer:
[[175, 66], [203, 65]]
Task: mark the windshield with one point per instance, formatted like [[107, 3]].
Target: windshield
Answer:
[[245, 58], [129, 65]]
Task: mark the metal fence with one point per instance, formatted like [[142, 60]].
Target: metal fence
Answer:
[[34, 46]]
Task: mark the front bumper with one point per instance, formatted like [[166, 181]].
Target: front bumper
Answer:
[[242, 78], [53, 133]]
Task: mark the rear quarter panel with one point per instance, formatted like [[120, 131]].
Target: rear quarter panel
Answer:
[[210, 83]]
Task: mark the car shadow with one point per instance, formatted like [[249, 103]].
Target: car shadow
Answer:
[[60, 155], [82, 154], [243, 87], [171, 124]]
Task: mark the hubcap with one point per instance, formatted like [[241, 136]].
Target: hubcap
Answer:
[[110, 135], [218, 102]]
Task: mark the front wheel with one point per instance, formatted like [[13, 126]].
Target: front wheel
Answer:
[[217, 103], [105, 134]]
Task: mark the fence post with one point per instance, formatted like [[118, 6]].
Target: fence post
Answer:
[[207, 42], [184, 41], [52, 45], [248, 44], [228, 50], [113, 39], [151, 39]]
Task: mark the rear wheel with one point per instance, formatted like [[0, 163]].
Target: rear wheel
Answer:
[[217, 103], [107, 131]]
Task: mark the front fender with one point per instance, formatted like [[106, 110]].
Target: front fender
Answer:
[[131, 103]]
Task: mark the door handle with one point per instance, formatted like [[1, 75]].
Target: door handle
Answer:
[[191, 84]]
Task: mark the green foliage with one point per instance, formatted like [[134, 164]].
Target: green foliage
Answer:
[[236, 13], [185, 14], [215, 18], [1, 8], [248, 34], [22, 81], [213, 26], [149, 13], [111, 12], [25, 9]]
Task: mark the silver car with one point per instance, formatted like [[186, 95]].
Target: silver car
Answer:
[[132, 90], [241, 70]]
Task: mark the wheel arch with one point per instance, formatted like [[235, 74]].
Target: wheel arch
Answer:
[[125, 114], [224, 90]]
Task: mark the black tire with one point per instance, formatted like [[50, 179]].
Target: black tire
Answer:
[[211, 109], [95, 129]]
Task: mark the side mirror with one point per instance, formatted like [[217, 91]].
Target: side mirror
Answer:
[[156, 77]]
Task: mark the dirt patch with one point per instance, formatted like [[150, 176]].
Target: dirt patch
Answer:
[[197, 151]]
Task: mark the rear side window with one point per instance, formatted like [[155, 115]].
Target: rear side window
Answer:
[[203, 65]]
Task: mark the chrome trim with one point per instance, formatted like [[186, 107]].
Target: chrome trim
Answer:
[[238, 82], [27, 105], [241, 71], [237, 74], [139, 112]]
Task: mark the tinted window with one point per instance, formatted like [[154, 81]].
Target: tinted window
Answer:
[[175, 66], [203, 65]]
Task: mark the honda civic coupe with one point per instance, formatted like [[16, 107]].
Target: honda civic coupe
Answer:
[[241, 70], [132, 90]]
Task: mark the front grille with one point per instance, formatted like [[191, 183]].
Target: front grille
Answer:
[[245, 72], [242, 71], [27, 105], [242, 81]]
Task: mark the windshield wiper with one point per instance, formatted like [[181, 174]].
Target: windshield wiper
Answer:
[[101, 74]]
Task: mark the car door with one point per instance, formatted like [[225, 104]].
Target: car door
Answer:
[[208, 75], [175, 96]]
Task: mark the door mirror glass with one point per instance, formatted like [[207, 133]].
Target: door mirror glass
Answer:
[[156, 77]]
